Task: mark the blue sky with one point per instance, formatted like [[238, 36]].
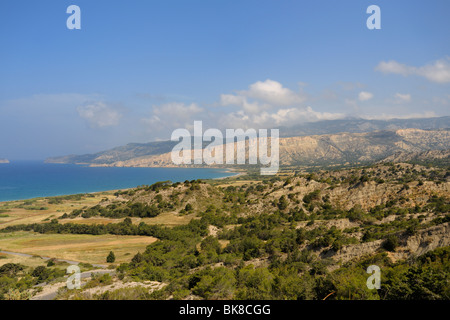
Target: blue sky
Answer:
[[139, 69]]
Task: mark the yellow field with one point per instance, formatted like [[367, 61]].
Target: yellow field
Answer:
[[235, 183], [169, 219], [82, 248], [27, 261], [16, 215]]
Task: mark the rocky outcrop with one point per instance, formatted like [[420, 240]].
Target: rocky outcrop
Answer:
[[424, 241], [413, 246], [441, 156]]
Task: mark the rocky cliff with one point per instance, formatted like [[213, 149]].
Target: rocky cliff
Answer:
[[340, 148]]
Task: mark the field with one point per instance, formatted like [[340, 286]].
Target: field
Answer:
[[82, 248], [41, 210], [169, 219], [44, 209], [33, 262]]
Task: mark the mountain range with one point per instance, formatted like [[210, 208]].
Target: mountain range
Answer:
[[334, 142]]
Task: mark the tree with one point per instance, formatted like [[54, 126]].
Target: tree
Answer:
[[111, 257], [137, 258], [211, 243], [391, 243], [41, 273], [283, 203], [11, 269]]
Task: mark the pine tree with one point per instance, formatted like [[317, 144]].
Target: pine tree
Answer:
[[111, 257]]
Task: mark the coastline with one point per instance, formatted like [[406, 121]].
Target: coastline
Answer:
[[221, 173], [235, 175]]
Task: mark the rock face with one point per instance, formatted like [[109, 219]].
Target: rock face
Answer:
[[333, 149], [4, 161], [417, 245], [345, 141], [441, 156]]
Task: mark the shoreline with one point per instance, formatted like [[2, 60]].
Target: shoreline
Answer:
[[237, 174], [234, 174]]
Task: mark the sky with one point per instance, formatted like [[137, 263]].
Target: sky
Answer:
[[137, 70]]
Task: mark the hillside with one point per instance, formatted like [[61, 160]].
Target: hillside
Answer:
[[363, 125], [332, 149], [432, 157], [292, 236], [334, 141]]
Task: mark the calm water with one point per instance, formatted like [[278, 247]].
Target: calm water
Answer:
[[31, 179]]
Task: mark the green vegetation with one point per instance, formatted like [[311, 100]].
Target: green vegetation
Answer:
[[294, 236], [111, 258], [116, 211], [16, 280], [72, 197]]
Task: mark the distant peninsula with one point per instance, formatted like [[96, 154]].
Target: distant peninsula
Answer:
[[4, 160]]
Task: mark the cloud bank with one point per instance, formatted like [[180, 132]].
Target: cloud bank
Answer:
[[268, 104], [437, 71], [99, 114], [364, 96]]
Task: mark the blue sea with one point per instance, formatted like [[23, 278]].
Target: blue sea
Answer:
[[31, 179]]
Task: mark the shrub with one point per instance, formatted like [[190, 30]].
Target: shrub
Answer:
[[391, 243], [111, 257]]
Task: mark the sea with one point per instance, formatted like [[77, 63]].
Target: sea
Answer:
[[32, 179]]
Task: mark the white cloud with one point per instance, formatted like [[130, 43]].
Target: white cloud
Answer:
[[242, 101], [364, 96], [263, 95], [267, 104], [177, 109], [438, 71], [173, 115], [272, 92], [291, 116], [394, 67], [99, 115], [231, 99], [400, 98], [280, 117]]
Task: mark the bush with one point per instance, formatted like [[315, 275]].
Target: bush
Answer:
[[51, 262], [11, 269], [391, 243], [311, 196], [111, 257]]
